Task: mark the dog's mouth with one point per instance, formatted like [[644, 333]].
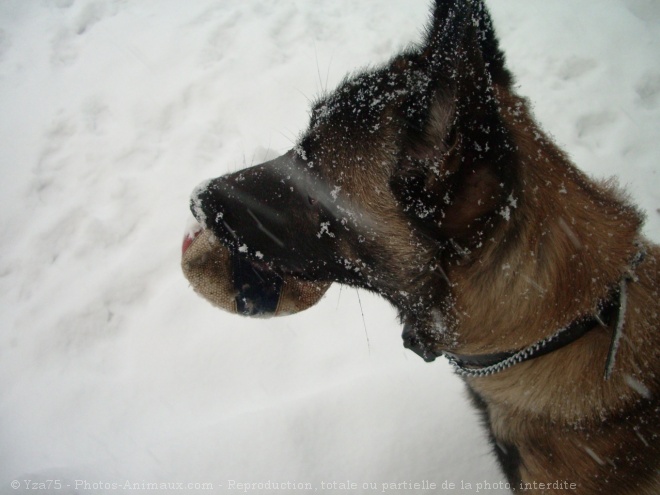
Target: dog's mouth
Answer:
[[192, 232], [228, 279], [242, 258], [232, 281]]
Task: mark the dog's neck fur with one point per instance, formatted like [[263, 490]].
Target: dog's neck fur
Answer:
[[584, 239], [562, 231], [538, 273]]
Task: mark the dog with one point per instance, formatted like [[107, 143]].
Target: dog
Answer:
[[427, 181]]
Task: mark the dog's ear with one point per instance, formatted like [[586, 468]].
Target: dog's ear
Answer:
[[454, 168], [459, 26]]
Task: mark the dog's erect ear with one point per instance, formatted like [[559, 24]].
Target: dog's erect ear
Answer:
[[453, 169], [450, 21], [457, 28], [493, 56]]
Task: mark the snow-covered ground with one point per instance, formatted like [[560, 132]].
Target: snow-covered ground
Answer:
[[112, 370]]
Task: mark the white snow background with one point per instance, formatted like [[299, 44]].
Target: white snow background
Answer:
[[111, 368]]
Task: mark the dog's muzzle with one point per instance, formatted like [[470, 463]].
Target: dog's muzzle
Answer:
[[417, 343], [235, 284]]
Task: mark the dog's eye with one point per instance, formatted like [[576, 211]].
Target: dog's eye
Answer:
[[312, 201]]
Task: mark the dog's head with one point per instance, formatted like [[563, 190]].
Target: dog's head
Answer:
[[402, 169]]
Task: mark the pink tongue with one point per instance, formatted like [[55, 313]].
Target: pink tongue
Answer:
[[188, 240]]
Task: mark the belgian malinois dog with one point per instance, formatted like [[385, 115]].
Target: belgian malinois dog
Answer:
[[428, 182]]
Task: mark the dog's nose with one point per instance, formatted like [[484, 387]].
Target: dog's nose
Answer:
[[230, 211], [412, 341], [266, 213], [249, 212], [208, 204]]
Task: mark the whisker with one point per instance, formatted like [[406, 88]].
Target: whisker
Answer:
[[341, 287], [363, 321]]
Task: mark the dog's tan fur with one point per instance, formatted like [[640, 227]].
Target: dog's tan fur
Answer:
[[566, 421], [430, 183]]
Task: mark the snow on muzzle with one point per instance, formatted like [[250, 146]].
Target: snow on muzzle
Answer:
[[239, 255], [270, 212]]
